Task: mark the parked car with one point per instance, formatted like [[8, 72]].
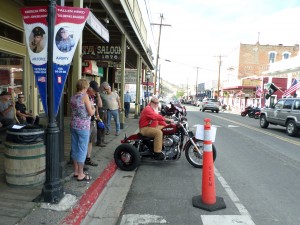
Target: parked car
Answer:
[[286, 113], [210, 104]]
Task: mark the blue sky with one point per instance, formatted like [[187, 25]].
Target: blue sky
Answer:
[[203, 29]]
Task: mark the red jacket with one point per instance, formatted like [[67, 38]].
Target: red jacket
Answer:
[[149, 118]]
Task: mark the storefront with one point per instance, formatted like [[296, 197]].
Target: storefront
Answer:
[[15, 70]]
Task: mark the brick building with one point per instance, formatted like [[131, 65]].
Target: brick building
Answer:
[[255, 59], [248, 66]]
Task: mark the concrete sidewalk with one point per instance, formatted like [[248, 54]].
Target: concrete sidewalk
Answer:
[[16, 203]]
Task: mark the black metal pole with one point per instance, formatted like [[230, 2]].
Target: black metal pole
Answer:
[[60, 121], [53, 189], [147, 91]]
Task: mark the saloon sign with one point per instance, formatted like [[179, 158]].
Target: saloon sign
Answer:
[[102, 52]]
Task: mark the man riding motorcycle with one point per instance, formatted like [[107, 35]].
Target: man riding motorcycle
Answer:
[[151, 123]]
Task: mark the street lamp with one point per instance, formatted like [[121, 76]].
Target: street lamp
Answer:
[[147, 78]]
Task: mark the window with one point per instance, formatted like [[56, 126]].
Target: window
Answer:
[[272, 56], [11, 73], [12, 33], [288, 104], [286, 55], [279, 104], [297, 105]]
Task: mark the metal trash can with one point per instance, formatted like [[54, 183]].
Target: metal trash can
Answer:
[[25, 156], [28, 134]]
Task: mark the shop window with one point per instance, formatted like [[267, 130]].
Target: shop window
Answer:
[[11, 73], [11, 33]]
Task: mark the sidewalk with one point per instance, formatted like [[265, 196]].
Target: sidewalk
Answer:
[[16, 203]]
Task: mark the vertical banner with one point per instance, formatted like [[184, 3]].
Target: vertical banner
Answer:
[[36, 37], [68, 29]]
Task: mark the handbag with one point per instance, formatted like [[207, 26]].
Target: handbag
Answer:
[[100, 124]]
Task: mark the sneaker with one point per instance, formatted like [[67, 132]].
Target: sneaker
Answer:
[[107, 133], [159, 156], [118, 133]]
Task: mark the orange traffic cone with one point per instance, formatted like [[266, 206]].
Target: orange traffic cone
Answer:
[[208, 201]]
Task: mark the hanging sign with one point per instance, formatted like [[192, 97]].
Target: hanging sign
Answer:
[[68, 28], [67, 32], [36, 37]]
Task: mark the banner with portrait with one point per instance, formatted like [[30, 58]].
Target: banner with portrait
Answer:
[[68, 29], [36, 37]]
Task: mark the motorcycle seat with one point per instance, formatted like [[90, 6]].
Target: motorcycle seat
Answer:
[[144, 138]]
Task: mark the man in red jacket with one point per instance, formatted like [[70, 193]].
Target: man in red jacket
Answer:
[[150, 125]]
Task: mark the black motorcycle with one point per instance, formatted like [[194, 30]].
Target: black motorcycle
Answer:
[[175, 109], [253, 111]]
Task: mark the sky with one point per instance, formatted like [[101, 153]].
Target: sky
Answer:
[[203, 30]]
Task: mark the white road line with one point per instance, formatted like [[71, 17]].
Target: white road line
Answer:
[[232, 195], [226, 220], [232, 126], [243, 219], [137, 219]]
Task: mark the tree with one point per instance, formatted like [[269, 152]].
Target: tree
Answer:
[[179, 93]]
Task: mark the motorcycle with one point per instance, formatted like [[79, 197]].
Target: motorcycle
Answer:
[[177, 138], [246, 111], [253, 111], [174, 109], [257, 114]]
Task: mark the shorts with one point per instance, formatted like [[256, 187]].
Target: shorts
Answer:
[[93, 132]]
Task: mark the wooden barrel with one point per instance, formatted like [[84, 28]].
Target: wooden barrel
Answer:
[[24, 165]]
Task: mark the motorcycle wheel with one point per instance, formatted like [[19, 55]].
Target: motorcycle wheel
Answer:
[[251, 115], [127, 157], [194, 157], [243, 114]]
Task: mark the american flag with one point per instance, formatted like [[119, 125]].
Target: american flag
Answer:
[[258, 91], [42, 79], [294, 87]]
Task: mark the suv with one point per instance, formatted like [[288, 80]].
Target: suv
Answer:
[[210, 104], [286, 113]]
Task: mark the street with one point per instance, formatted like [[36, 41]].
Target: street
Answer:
[[257, 173]]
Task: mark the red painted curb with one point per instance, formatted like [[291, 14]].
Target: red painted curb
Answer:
[[89, 198]]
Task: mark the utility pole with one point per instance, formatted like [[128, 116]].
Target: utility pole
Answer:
[[158, 45], [197, 84], [219, 75]]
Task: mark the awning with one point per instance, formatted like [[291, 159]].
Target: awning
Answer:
[[90, 67], [240, 88]]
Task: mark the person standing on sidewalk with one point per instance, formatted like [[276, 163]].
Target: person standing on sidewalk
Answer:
[[111, 101], [127, 100], [102, 115], [92, 92], [81, 112]]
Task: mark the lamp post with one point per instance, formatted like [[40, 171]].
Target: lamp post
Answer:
[[147, 78]]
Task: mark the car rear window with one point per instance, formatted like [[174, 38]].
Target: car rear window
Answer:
[[212, 100]]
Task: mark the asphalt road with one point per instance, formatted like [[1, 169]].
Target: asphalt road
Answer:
[[257, 173]]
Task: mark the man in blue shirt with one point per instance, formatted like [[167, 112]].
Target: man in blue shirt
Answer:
[[127, 100]]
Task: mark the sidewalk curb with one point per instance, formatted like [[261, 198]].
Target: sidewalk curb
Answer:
[[79, 212]]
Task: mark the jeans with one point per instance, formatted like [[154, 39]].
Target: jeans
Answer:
[[115, 115], [127, 108], [79, 144]]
